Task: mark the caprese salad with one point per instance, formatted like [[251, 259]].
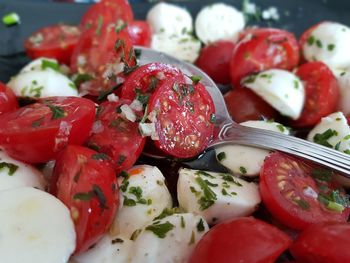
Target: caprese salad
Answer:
[[76, 119]]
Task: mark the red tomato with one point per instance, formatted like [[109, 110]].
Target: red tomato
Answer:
[[86, 183], [323, 243], [116, 136], [8, 101], [261, 49], [145, 79], [183, 117], [321, 90], [244, 105], [140, 33], [37, 132], [214, 59], [57, 41], [298, 194], [245, 239]]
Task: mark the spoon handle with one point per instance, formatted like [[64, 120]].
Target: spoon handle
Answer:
[[233, 133]]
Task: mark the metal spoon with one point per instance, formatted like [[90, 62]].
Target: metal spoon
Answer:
[[229, 132]]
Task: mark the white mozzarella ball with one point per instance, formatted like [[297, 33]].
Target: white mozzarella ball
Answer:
[[183, 47], [169, 19], [219, 22], [42, 84], [41, 64], [246, 160], [344, 87], [216, 196], [328, 42], [117, 249], [281, 89], [35, 227], [169, 240], [144, 196], [14, 174], [333, 131]]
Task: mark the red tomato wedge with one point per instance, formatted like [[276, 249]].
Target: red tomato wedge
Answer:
[[56, 41], [116, 136], [8, 101], [184, 115], [245, 239], [86, 183], [37, 132], [140, 33], [261, 49], [323, 243], [299, 194], [146, 78], [322, 93], [244, 105], [214, 59]]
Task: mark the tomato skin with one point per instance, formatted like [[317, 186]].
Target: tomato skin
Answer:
[[58, 41], [78, 170], [283, 179], [261, 49], [8, 101], [244, 105], [140, 33], [243, 239], [214, 59], [321, 90], [31, 133], [323, 243]]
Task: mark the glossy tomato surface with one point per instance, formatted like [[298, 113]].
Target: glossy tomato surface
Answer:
[[214, 59], [85, 182], [245, 239], [8, 101], [323, 243], [140, 33], [56, 41], [244, 105], [262, 49], [37, 132], [299, 194], [321, 90]]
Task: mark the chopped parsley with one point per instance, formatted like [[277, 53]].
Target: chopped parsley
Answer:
[[200, 225], [117, 240], [160, 230], [50, 64], [99, 25], [296, 84], [195, 79], [322, 175], [167, 212], [57, 112], [209, 197], [12, 168], [311, 40], [319, 43], [11, 19], [80, 78], [243, 170], [330, 47], [183, 224], [120, 26], [221, 156], [322, 138], [203, 173], [100, 156]]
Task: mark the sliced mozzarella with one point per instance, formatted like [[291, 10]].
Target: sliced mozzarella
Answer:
[[169, 240], [41, 84], [14, 174], [246, 160], [281, 89], [117, 249], [216, 196], [218, 22], [169, 19], [328, 42], [144, 195], [35, 227], [184, 47], [344, 85], [332, 130], [40, 64]]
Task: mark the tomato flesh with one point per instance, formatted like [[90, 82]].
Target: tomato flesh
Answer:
[[8, 101], [140, 33], [244, 239], [37, 132], [292, 191], [86, 183]]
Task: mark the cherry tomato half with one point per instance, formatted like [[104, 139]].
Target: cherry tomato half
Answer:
[[244, 239], [8, 101], [57, 41], [261, 49], [298, 194], [37, 132], [85, 182], [140, 33]]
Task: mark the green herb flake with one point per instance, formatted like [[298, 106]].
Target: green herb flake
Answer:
[[129, 202], [209, 197], [319, 43], [212, 118], [322, 175], [57, 112], [221, 156], [193, 190], [242, 170], [322, 138], [142, 97], [224, 192], [11, 19], [12, 168], [183, 224], [281, 127], [99, 25], [311, 40], [100, 196], [303, 204], [195, 79], [330, 47], [83, 196], [117, 240], [120, 26], [160, 230], [81, 78], [193, 238], [135, 234], [296, 84], [50, 64], [203, 173], [337, 146], [167, 212], [100, 156], [136, 191], [347, 137], [249, 79], [229, 178], [200, 225]]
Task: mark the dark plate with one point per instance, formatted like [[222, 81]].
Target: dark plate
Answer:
[[296, 16]]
